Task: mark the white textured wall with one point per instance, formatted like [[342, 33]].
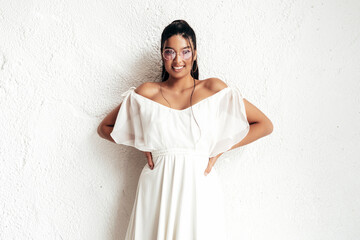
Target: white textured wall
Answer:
[[63, 65]]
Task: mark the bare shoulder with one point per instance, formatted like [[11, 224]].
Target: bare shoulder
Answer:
[[147, 89], [215, 84]]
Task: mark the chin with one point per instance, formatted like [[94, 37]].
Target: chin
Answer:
[[175, 75]]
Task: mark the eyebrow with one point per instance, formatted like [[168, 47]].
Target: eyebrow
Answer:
[[172, 48]]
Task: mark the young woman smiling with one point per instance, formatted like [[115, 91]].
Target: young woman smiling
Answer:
[[183, 125]]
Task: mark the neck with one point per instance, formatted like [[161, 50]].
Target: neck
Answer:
[[180, 83]]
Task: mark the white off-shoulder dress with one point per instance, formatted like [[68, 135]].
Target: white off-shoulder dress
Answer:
[[175, 200]]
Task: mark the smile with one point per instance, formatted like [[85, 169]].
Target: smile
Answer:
[[177, 68]]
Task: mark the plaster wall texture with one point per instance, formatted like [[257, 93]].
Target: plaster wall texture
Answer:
[[63, 65]]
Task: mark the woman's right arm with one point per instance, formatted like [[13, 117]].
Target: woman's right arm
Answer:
[[107, 125]]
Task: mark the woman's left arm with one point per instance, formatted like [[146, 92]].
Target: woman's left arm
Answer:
[[260, 125]]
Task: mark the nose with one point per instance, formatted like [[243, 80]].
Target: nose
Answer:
[[177, 58]]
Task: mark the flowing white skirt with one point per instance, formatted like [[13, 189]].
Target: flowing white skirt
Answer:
[[176, 201]]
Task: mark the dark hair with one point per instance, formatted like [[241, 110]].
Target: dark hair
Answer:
[[182, 28]]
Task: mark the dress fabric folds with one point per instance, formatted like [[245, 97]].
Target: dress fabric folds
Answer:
[[175, 200]]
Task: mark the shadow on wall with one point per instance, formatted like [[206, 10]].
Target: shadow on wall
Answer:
[[134, 163], [147, 68]]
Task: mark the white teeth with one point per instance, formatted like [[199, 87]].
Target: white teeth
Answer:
[[177, 68]]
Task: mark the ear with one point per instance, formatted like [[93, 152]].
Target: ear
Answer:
[[195, 55]]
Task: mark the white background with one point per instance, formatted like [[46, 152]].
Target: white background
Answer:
[[64, 64]]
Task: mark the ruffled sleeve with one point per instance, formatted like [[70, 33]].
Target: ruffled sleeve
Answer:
[[232, 125], [129, 126]]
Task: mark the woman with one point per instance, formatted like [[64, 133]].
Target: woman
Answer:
[[183, 125]]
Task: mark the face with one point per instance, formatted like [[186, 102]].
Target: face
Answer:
[[177, 56]]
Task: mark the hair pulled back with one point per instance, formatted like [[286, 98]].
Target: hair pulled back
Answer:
[[182, 28]]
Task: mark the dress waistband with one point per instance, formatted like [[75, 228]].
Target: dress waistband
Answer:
[[180, 151]]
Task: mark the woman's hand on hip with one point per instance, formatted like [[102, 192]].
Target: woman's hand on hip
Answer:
[[149, 159], [211, 163]]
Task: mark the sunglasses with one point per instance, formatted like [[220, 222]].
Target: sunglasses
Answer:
[[170, 54]]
